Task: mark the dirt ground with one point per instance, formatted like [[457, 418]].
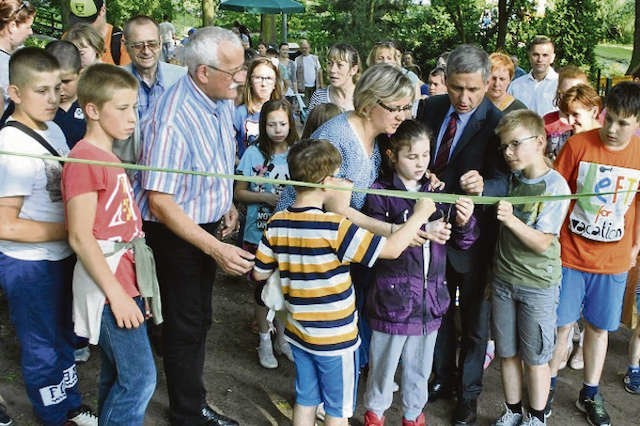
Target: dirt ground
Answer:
[[240, 388]]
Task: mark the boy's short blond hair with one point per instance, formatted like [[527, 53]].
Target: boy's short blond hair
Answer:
[[99, 81], [312, 160], [522, 118], [26, 62]]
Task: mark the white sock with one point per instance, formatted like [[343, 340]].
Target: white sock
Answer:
[[265, 338]]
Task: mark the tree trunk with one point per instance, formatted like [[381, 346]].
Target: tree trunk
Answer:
[[635, 57], [209, 9], [268, 28], [502, 24]]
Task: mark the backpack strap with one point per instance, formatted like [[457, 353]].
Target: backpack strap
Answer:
[[35, 135], [116, 44]]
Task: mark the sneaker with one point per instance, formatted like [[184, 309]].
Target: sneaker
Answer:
[[577, 361], [82, 416], [265, 354], [82, 354], [632, 382], [370, 419], [508, 418], [594, 410], [5, 420], [533, 421], [284, 348], [420, 421], [547, 408]]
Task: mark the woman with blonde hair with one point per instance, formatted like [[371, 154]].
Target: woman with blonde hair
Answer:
[[88, 41]]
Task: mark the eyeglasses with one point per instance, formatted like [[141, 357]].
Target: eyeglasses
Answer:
[[23, 5], [140, 45], [233, 74], [515, 144], [262, 79], [402, 108]]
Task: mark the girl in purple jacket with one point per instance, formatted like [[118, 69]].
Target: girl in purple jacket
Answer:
[[409, 295]]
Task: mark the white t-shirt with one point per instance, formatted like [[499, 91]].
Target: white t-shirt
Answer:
[[309, 70], [38, 182]]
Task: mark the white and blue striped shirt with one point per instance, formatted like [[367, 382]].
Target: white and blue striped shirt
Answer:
[[187, 130]]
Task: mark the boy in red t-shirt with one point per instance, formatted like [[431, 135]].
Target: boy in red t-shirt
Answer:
[[105, 230]]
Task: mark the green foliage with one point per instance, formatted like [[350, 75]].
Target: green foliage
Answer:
[[617, 20], [575, 27]]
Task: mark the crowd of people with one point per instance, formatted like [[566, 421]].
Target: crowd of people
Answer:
[[126, 260]]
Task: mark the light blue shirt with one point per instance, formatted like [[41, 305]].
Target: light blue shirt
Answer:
[[166, 77], [188, 131], [537, 95]]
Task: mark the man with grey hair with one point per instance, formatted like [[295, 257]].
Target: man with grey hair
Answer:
[[465, 157], [537, 89], [191, 128]]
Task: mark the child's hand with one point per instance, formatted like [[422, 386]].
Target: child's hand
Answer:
[[439, 231], [126, 312], [338, 201], [435, 184], [464, 210], [505, 212], [424, 208], [270, 199]]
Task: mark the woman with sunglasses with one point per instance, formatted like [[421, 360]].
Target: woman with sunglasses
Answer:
[[343, 68], [263, 84], [16, 18]]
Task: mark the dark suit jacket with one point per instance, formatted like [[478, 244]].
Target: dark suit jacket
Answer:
[[477, 149]]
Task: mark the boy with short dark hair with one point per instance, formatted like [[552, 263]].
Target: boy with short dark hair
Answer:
[[115, 269], [313, 249], [36, 263], [527, 269], [69, 116], [600, 238]]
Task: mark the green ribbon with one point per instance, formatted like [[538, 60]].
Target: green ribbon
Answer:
[[435, 196]]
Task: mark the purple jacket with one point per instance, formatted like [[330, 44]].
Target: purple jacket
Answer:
[[399, 299]]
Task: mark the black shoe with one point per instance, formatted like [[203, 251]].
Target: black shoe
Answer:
[[466, 412], [594, 410], [5, 420], [439, 390], [213, 418], [547, 407]]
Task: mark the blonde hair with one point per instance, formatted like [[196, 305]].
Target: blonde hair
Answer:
[[381, 83], [522, 118], [84, 35], [99, 81]]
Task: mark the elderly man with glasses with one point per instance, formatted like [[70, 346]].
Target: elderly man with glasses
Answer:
[[142, 38], [191, 128]]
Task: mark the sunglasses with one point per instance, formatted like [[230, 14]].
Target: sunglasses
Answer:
[[140, 45]]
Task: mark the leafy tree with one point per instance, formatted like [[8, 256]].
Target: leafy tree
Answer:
[[635, 57], [575, 28]]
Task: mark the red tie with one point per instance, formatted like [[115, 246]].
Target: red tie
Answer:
[[445, 146]]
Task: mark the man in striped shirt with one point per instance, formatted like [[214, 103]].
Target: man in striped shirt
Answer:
[[313, 250], [190, 128]]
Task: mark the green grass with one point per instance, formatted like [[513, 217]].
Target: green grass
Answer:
[[613, 58]]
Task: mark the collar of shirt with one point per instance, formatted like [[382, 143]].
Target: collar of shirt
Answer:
[[463, 119], [158, 81], [203, 100], [551, 75]]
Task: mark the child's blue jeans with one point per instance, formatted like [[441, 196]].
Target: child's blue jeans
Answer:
[[127, 374], [39, 295]]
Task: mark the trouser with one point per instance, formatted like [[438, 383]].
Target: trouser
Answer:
[[39, 295], [361, 276], [185, 275], [417, 356], [474, 307], [127, 373]]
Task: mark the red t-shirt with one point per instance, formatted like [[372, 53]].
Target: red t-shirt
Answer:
[[117, 216]]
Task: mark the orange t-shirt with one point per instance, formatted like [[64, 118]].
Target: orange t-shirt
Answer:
[[107, 58], [598, 232]]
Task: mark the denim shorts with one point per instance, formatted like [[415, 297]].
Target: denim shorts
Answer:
[[524, 321], [332, 380], [598, 296]]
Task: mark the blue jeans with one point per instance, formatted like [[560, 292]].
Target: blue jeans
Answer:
[[39, 295], [128, 372]]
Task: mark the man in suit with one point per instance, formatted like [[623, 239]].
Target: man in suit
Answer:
[[465, 157]]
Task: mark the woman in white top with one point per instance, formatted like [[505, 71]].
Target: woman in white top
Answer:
[[343, 68]]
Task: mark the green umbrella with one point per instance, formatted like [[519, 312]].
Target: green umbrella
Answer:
[[271, 7]]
